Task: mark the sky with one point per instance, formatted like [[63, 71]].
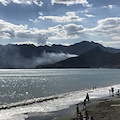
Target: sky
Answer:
[[47, 22]]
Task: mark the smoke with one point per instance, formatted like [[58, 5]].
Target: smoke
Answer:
[[12, 57], [49, 58], [41, 40]]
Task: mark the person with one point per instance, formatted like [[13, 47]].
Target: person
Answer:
[[77, 111], [112, 90], [87, 97], [80, 116], [118, 93], [84, 103], [86, 115], [91, 118]]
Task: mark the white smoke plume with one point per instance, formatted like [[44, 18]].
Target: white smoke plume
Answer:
[[49, 58]]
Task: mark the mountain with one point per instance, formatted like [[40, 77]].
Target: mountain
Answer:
[[82, 47], [94, 58], [21, 56], [30, 56]]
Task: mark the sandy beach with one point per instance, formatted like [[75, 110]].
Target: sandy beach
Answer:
[[100, 110]]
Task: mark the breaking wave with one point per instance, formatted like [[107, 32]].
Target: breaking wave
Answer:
[[22, 109]]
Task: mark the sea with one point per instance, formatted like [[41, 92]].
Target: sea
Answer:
[[28, 92]]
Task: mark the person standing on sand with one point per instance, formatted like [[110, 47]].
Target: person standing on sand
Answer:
[[77, 111], [86, 115], [84, 103]]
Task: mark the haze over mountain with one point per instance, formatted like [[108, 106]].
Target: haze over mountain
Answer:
[[30, 56], [94, 58]]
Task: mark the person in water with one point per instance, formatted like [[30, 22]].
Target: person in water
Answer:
[[87, 97], [118, 92], [112, 90]]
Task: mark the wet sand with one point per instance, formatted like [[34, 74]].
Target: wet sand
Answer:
[[100, 110], [52, 115], [106, 109]]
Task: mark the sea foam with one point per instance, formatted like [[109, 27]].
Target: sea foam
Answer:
[[21, 110]]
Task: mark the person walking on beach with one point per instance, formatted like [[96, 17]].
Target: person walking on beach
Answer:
[[87, 97], [77, 111]]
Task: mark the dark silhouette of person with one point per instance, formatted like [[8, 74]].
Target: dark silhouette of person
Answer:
[[118, 92], [112, 90], [91, 118], [87, 97], [77, 110], [84, 103], [86, 115]]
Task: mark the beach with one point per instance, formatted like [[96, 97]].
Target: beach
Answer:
[[107, 109], [53, 94]]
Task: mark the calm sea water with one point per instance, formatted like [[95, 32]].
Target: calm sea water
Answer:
[[46, 90]]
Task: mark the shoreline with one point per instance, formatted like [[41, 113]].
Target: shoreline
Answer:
[[105, 109], [70, 113]]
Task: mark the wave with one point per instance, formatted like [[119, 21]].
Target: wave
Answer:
[[29, 102], [51, 103], [95, 93]]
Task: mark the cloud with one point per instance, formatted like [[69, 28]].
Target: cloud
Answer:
[[70, 17], [71, 2], [29, 2], [113, 44], [9, 30], [69, 31], [89, 15], [25, 42], [109, 6], [108, 27]]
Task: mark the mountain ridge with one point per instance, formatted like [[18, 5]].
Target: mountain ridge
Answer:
[[30, 56], [95, 58]]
